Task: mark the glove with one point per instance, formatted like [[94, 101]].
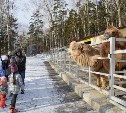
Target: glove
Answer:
[[22, 92]]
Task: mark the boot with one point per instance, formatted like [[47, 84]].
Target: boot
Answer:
[[13, 110], [2, 100]]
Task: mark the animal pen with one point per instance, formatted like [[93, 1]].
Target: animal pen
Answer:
[[116, 93]]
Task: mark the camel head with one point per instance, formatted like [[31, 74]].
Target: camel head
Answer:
[[77, 48], [111, 31]]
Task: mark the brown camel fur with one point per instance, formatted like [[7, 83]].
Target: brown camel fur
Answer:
[[85, 55], [112, 31], [105, 47]]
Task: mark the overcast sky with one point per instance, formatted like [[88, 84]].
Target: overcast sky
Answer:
[[24, 9], [23, 12]]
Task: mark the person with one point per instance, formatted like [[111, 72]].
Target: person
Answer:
[[5, 64], [9, 55], [3, 87], [3, 91], [24, 53], [15, 84], [21, 63]]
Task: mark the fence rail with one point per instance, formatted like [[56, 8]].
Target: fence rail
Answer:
[[86, 75]]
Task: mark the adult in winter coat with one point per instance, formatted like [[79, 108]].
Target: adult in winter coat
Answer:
[[15, 84], [21, 63]]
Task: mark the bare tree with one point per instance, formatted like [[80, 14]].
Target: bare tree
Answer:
[[118, 4]]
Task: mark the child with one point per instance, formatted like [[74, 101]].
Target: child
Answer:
[[3, 91], [15, 84], [3, 87]]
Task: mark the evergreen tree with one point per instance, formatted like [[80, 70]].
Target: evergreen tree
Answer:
[[36, 28]]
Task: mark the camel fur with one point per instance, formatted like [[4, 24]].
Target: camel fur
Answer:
[[85, 55], [112, 31]]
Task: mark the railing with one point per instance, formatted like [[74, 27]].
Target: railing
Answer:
[[85, 75], [114, 88]]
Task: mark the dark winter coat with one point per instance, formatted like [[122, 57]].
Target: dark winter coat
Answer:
[[9, 57], [20, 61]]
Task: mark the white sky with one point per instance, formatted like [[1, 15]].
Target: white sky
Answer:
[[23, 13], [24, 10]]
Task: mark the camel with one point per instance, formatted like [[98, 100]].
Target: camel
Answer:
[[85, 55], [112, 31]]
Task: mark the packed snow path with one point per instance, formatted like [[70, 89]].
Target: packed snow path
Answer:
[[45, 92]]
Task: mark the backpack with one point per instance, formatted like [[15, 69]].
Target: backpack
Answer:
[[2, 73]]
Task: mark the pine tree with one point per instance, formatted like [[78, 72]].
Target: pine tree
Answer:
[[36, 28]]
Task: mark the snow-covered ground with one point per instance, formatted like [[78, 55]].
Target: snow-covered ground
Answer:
[[45, 92]]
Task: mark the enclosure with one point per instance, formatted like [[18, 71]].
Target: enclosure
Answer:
[[114, 91]]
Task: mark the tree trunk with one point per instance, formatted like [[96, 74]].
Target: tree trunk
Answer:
[[106, 9], [119, 16]]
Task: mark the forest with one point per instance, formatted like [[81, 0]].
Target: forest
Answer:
[[84, 19]]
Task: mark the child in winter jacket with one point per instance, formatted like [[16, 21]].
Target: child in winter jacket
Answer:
[[3, 87], [15, 84], [3, 91]]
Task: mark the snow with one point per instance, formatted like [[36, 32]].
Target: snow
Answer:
[[34, 76], [42, 92]]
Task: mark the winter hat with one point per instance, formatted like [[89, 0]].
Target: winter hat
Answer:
[[18, 50], [13, 68], [4, 57]]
